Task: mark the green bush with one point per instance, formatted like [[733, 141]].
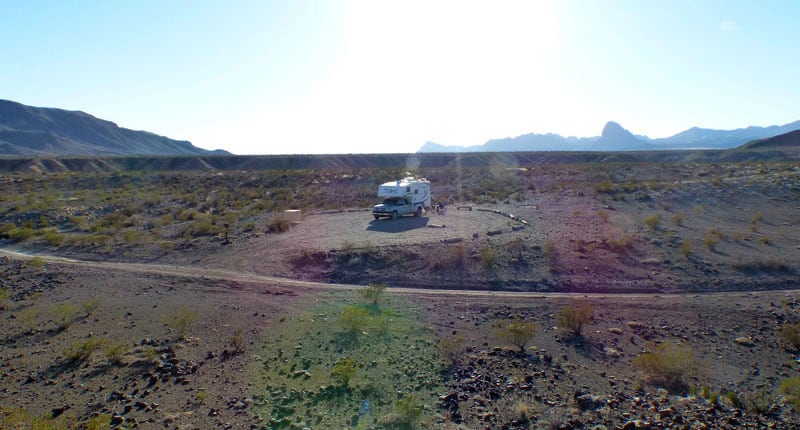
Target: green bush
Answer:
[[344, 370], [115, 352], [181, 321], [354, 319], [668, 365], [573, 317], [516, 331]]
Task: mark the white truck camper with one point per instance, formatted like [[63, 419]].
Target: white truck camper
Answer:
[[403, 197]]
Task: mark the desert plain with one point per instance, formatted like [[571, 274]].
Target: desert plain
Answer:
[[593, 295]]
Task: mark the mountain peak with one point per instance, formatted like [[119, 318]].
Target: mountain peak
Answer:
[[614, 135]]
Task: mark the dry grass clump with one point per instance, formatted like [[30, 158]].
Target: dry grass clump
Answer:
[[278, 225], [181, 321], [652, 221], [790, 335], [83, 351], [686, 248], [791, 389], [64, 314], [668, 365], [452, 347]]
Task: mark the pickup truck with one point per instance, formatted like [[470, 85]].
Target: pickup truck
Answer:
[[393, 207]]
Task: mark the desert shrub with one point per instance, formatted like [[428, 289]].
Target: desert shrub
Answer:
[[668, 365], [620, 243], [573, 317], [686, 248], [488, 257], [64, 314], [764, 240], [201, 396], [549, 249], [53, 237], [83, 350], [354, 319], [406, 415], [711, 239], [36, 263], [516, 331], [19, 418], [344, 370], [769, 265], [91, 305], [790, 335], [181, 321], [603, 214], [99, 422], [605, 187], [761, 402], [372, 293], [5, 297], [278, 225], [791, 389], [452, 347], [522, 411], [652, 221], [677, 218], [236, 341], [115, 352]]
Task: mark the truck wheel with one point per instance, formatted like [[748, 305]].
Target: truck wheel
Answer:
[[394, 215], [418, 213]]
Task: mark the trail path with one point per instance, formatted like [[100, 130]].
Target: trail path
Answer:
[[253, 279]]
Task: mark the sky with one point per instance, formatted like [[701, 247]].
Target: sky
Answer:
[[372, 76]]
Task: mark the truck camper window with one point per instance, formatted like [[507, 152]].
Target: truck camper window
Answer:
[[408, 189]]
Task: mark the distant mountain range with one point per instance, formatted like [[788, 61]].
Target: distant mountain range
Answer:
[[615, 138], [35, 131]]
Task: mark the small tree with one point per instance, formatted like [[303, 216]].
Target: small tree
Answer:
[[573, 317], [516, 331]]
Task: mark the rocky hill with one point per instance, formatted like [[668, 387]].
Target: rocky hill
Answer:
[[35, 131], [616, 138]]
